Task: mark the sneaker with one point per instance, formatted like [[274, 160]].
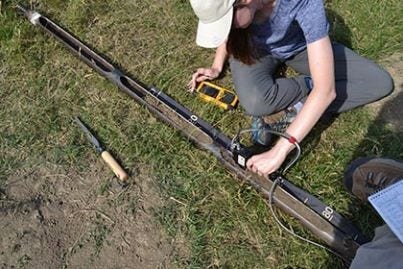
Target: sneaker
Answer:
[[260, 136], [365, 176], [280, 121]]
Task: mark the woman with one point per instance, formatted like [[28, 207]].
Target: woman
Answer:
[[259, 35]]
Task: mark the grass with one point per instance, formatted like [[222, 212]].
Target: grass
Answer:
[[226, 223]]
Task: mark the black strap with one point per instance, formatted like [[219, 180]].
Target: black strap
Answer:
[[324, 210]]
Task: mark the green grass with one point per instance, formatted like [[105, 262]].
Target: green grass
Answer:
[[226, 223]]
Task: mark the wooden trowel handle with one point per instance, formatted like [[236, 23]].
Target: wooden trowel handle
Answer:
[[114, 165]]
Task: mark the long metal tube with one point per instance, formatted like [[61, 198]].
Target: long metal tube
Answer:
[[344, 242]]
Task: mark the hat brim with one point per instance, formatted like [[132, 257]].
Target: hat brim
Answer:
[[212, 35]]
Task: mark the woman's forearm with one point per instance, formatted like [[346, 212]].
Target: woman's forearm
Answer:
[[322, 71], [314, 107], [220, 57]]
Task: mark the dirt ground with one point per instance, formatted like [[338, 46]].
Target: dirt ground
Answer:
[[52, 218], [390, 108]]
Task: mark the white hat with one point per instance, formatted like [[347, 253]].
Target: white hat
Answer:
[[215, 20]]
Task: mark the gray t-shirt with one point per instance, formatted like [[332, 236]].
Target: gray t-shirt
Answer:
[[292, 25]]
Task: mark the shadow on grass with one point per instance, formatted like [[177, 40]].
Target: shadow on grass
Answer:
[[339, 31]]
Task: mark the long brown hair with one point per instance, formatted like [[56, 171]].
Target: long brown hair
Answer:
[[239, 45]]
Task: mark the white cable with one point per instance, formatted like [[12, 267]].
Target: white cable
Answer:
[[274, 185], [234, 145]]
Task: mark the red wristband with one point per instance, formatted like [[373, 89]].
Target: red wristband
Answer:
[[292, 139]]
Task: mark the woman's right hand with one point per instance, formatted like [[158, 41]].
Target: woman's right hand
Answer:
[[202, 74]]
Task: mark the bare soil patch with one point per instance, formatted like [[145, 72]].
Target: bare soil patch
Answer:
[[389, 109], [51, 218]]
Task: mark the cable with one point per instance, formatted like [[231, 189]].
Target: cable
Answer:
[[272, 189], [277, 181], [235, 144]]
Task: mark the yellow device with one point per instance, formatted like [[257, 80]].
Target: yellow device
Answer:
[[221, 97]]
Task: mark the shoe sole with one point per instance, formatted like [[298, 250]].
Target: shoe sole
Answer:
[[393, 166]]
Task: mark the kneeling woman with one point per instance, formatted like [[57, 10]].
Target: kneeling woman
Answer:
[[257, 36]]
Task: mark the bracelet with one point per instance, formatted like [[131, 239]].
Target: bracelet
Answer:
[[291, 139]]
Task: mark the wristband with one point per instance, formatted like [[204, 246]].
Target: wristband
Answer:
[[291, 139]]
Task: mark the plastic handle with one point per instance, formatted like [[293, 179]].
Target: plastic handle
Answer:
[[113, 164]]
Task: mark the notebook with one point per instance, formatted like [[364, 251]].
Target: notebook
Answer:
[[389, 204]]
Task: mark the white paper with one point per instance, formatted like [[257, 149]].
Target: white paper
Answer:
[[389, 204]]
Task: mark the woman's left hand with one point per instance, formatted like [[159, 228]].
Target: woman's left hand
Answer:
[[268, 162]]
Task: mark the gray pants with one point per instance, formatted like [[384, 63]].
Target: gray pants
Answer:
[[359, 81], [384, 251]]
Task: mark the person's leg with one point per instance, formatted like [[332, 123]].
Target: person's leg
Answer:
[[384, 251], [259, 93], [359, 81]]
